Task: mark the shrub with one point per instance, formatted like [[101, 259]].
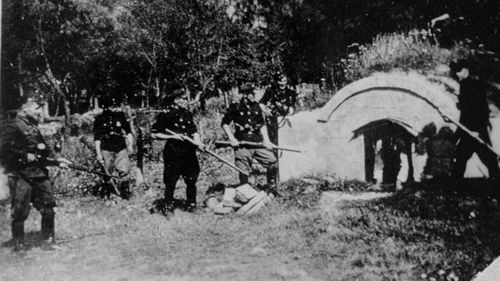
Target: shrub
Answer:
[[413, 50]]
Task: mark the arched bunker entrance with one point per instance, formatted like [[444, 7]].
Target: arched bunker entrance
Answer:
[[334, 137], [383, 141]]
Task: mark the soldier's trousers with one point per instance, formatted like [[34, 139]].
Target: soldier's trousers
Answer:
[[119, 162], [177, 164], [272, 128], [37, 191], [245, 156], [466, 147]]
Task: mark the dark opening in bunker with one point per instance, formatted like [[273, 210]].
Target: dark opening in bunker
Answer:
[[385, 141]]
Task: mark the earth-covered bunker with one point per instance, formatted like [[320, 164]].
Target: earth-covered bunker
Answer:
[[333, 137]]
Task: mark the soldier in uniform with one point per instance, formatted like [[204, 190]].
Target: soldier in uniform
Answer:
[[179, 156], [474, 114], [24, 153], [250, 126], [114, 142], [278, 101]]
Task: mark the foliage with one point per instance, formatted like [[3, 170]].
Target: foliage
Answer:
[[402, 51], [72, 50], [413, 50]]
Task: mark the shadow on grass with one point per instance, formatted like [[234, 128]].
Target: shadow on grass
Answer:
[[457, 226], [31, 239]]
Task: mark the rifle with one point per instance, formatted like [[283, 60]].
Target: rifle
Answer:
[[447, 118], [108, 177], [54, 162], [140, 149], [254, 144], [186, 138]]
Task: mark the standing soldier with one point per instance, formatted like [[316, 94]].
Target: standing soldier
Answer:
[[179, 156], [24, 153], [278, 101], [250, 126], [474, 114], [113, 143]]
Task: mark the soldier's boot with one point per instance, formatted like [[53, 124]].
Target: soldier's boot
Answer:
[[272, 175], [18, 237], [48, 242], [169, 208], [125, 189], [190, 206], [190, 203]]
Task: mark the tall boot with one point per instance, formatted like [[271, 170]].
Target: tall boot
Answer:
[[272, 174], [47, 227], [17, 229], [49, 242]]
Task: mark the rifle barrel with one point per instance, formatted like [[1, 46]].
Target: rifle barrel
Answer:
[[470, 133], [255, 144], [81, 168], [186, 138]]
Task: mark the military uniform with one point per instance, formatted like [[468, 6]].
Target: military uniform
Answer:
[[474, 114], [248, 120], [179, 157], [441, 152], [28, 180], [278, 101], [111, 128]]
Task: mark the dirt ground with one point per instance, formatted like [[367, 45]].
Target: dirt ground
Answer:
[[123, 243], [121, 240], [311, 233]]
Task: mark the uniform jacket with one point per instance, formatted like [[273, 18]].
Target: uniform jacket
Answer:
[[473, 105], [279, 100], [19, 138], [110, 128], [247, 118], [178, 120]]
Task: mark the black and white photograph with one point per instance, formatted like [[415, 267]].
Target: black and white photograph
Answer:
[[286, 140]]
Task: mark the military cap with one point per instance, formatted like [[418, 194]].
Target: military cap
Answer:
[[172, 96], [35, 100], [247, 88], [456, 66]]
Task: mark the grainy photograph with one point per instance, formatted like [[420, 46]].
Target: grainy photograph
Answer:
[[296, 140]]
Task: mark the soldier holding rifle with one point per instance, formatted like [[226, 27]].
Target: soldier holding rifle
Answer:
[[179, 156], [24, 154], [278, 101], [474, 117], [250, 126]]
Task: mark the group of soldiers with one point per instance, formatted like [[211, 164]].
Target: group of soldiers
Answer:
[[25, 155]]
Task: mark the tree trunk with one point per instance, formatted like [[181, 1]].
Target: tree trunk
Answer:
[[20, 73], [157, 89]]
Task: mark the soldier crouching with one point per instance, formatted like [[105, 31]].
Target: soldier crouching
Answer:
[[250, 126]]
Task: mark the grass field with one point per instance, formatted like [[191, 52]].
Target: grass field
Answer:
[[318, 230]]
